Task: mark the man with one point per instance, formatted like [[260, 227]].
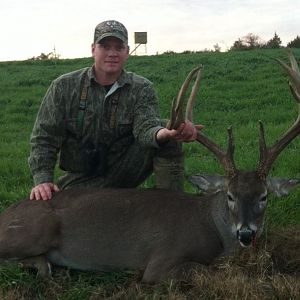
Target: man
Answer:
[[104, 124]]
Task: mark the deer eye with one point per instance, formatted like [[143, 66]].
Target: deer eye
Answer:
[[229, 197], [263, 199]]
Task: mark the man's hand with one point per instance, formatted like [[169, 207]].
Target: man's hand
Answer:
[[43, 191], [186, 132]]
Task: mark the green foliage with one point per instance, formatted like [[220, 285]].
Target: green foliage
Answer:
[[274, 42], [248, 42], [252, 41], [295, 43]]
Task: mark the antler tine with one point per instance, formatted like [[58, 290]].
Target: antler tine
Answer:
[[268, 155], [263, 168], [191, 101], [177, 116], [293, 73], [225, 158]]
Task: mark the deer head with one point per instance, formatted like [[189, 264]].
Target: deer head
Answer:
[[246, 191]]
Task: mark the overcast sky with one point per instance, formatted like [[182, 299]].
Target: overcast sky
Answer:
[[30, 27]]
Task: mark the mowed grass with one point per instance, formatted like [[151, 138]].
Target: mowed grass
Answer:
[[238, 89]]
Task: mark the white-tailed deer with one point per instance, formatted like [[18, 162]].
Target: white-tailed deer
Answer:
[[159, 232]]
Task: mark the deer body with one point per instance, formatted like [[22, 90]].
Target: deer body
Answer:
[[159, 232], [105, 229]]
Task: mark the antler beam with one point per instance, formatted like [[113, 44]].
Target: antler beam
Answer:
[[268, 155], [225, 158]]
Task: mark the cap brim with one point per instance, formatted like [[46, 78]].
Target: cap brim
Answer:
[[116, 35]]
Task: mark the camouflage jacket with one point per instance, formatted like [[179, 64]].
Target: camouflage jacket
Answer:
[[127, 112]]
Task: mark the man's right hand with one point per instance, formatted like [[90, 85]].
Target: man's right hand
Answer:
[[43, 191]]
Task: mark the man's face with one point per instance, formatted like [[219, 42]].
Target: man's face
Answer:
[[110, 55]]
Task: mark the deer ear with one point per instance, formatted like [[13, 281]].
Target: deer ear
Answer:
[[208, 183], [280, 186]]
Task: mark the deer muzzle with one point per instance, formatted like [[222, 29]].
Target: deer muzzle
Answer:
[[246, 236]]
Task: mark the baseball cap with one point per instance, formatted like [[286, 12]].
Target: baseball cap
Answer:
[[110, 28]]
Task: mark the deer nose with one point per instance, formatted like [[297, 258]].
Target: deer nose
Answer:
[[245, 236]]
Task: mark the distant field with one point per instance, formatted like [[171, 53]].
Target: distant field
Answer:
[[238, 89]]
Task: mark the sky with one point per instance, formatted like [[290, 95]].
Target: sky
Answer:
[[31, 27]]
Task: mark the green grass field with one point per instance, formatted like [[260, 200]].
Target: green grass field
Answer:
[[238, 89]]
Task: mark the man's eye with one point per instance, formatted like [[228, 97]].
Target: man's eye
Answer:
[[120, 48], [104, 46]]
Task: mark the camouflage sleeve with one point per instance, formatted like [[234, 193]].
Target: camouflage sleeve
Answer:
[[147, 118], [47, 135]]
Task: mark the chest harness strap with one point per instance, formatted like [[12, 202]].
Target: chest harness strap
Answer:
[[82, 102]]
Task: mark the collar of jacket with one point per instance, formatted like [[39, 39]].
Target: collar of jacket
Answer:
[[122, 80]]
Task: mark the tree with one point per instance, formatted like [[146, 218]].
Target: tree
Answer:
[[274, 42], [50, 56], [217, 48], [238, 45], [248, 42], [43, 56], [252, 40], [295, 43]]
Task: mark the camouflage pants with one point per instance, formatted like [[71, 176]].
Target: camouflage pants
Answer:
[[133, 166]]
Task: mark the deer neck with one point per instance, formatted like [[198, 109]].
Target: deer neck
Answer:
[[221, 218]]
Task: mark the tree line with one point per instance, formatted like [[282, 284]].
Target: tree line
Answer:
[[249, 42], [252, 41]]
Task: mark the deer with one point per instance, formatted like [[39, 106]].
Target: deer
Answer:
[[160, 233]]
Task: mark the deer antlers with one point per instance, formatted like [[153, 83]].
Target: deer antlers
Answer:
[[177, 116], [225, 158], [267, 155]]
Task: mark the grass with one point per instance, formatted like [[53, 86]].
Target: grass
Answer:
[[238, 89]]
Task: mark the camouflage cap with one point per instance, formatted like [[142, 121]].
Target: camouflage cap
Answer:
[[111, 28]]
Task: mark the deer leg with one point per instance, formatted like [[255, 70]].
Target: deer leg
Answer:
[[40, 263], [156, 270], [161, 268], [185, 270]]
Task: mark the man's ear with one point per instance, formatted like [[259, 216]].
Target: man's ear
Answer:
[[93, 48]]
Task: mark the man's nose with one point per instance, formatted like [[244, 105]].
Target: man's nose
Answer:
[[112, 52]]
